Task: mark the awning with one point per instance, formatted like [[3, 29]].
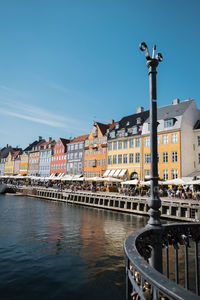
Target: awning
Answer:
[[111, 173], [117, 172], [122, 173], [106, 173], [66, 177]]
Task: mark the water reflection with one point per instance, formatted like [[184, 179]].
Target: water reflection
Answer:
[[58, 251]]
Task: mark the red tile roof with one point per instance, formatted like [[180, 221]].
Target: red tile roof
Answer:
[[79, 138]]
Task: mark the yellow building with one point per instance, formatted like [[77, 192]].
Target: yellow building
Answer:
[[125, 147], [129, 143], [169, 155], [23, 168], [9, 165]]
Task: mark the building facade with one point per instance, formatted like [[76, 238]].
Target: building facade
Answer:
[[34, 155], [95, 150], [129, 143], [125, 147], [75, 155], [45, 153], [58, 159]]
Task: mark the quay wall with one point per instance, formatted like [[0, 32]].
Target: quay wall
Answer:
[[175, 209]]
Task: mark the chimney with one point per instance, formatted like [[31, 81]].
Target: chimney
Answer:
[[112, 122], [176, 101], [39, 138], [49, 139], [140, 109], [7, 146]]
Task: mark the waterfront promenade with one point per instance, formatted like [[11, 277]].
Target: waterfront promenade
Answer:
[[171, 208]]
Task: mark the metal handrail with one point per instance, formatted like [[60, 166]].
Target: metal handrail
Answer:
[[142, 280]]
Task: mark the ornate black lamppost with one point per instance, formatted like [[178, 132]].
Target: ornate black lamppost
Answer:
[[154, 201]]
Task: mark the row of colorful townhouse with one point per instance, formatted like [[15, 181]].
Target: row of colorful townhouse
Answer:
[[117, 149]]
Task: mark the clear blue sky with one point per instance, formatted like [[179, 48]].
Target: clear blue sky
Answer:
[[66, 63]]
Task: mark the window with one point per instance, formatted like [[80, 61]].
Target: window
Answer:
[[165, 157], [165, 174], [89, 174], [117, 126], [86, 143], [104, 150], [131, 158], [103, 162], [81, 146], [137, 157], [90, 152], [90, 142], [147, 158], [120, 144], [112, 134], [165, 139], [198, 140], [99, 151], [104, 140], [131, 143], [125, 158], [174, 138], [110, 146], [115, 145], [125, 144], [134, 130], [94, 173], [174, 173], [80, 154], [168, 123], [72, 147], [85, 163], [147, 141], [94, 151], [76, 146], [146, 173], [99, 140], [98, 162], [85, 174], [98, 173], [174, 156], [109, 160], [86, 152], [114, 159], [119, 159], [137, 142]]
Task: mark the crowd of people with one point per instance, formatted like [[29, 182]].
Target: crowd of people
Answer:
[[179, 192]]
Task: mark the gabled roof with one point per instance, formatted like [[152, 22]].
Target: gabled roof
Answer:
[[16, 153], [64, 141], [173, 110], [80, 138], [30, 146], [197, 125], [48, 143], [132, 119], [37, 144]]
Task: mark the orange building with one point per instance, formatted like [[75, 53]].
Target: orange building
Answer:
[[95, 151]]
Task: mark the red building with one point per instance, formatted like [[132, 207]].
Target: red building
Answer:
[[59, 156]]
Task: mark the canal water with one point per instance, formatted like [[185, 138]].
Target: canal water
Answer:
[[51, 250]]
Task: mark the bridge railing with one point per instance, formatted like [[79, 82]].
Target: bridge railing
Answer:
[[180, 259]]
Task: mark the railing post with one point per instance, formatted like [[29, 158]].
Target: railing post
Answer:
[[154, 201]]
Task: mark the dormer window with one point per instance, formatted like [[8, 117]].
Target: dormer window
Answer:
[[117, 126], [169, 122], [139, 121], [134, 130], [112, 134], [128, 123]]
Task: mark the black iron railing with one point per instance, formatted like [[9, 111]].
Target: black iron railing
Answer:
[[180, 263]]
